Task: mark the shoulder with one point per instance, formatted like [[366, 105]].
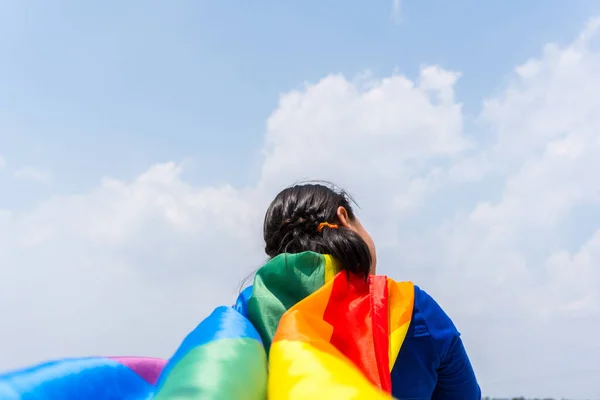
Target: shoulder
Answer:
[[429, 319]]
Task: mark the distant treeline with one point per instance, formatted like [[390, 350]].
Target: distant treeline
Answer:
[[521, 398]]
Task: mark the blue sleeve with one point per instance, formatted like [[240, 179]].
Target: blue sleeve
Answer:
[[455, 376], [432, 363]]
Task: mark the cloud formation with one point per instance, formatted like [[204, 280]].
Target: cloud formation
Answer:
[[34, 175], [498, 219]]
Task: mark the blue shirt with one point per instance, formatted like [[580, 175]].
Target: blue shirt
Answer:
[[432, 363]]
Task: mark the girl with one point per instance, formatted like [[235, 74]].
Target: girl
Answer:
[[432, 362]]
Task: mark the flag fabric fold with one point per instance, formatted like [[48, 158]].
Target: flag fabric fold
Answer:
[[306, 331]]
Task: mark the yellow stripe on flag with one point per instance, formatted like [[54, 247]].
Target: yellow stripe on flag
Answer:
[[401, 298], [331, 268], [300, 371]]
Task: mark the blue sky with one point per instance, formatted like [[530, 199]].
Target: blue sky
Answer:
[[95, 89], [199, 112]]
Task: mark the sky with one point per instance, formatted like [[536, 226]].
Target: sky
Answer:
[[141, 142]]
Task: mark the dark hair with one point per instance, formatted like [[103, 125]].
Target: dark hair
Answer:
[[292, 221]]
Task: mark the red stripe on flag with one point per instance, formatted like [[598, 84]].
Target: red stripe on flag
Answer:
[[381, 329], [357, 310]]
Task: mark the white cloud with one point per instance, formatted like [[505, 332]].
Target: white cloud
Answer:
[[2, 163], [512, 249], [348, 129], [108, 271], [34, 175], [494, 228]]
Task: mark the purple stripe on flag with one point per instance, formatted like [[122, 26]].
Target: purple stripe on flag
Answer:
[[146, 367]]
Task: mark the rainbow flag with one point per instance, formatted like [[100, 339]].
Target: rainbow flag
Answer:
[[329, 335], [304, 332]]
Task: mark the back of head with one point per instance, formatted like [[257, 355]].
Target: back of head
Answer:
[[294, 223]]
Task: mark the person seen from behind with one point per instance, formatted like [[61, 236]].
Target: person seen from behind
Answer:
[[308, 222]]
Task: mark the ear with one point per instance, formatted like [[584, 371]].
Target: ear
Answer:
[[343, 218]]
